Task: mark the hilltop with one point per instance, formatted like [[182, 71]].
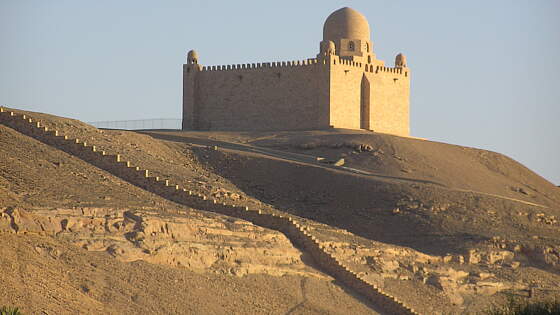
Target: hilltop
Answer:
[[458, 226]]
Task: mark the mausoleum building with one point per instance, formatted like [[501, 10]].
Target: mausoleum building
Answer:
[[345, 86]]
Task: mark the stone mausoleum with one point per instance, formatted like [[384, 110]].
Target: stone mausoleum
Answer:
[[345, 86]]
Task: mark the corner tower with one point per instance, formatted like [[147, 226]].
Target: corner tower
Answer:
[[190, 73], [363, 92]]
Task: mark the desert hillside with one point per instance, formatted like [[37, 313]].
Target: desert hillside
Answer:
[[442, 228]]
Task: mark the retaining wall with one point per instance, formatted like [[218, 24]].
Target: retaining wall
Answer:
[[292, 228]]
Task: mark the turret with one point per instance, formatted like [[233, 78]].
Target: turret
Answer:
[[327, 48], [190, 74], [192, 57], [331, 48], [400, 61]]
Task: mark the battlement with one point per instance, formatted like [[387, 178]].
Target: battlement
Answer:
[[333, 60], [371, 68], [336, 60], [264, 65], [396, 70]]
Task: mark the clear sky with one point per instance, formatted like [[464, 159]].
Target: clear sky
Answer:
[[485, 74]]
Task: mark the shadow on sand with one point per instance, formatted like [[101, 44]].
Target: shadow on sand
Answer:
[[360, 204]]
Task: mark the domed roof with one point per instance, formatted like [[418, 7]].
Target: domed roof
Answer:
[[192, 54], [346, 23], [400, 60]]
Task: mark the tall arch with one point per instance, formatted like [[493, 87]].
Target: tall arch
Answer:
[[365, 103]]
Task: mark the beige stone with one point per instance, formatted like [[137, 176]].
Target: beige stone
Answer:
[[500, 257], [485, 275], [339, 162], [194, 242], [474, 257]]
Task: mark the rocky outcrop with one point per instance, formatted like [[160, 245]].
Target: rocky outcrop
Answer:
[[186, 239], [458, 279]]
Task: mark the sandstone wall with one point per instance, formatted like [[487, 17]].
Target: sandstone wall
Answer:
[[302, 95], [379, 101], [190, 75], [345, 91], [272, 96], [389, 100]]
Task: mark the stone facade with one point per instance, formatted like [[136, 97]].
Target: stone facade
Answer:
[[345, 86]]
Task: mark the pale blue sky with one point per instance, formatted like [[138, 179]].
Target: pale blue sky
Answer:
[[486, 74]]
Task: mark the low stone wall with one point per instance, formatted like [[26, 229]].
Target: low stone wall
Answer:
[[294, 230]]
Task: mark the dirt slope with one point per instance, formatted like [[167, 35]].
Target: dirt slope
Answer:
[[452, 166], [467, 225], [456, 226], [448, 216], [199, 262], [43, 275]]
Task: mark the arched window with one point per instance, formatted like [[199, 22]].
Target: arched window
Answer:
[[351, 46], [369, 59], [367, 47]]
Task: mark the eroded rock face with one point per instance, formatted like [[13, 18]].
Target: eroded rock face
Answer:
[[186, 239], [454, 276]]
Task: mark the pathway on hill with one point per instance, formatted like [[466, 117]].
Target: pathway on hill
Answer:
[[313, 161], [308, 160]]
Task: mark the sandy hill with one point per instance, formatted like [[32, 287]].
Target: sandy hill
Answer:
[[443, 228]]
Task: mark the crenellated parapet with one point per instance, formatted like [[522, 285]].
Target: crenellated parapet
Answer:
[[306, 62], [336, 60], [332, 60], [370, 68], [265, 65], [396, 70]]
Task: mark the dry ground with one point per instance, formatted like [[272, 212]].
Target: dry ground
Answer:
[[42, 275], [449, 196], [445, 228]]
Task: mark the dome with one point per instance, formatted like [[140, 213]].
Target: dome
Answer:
[[346, 23]]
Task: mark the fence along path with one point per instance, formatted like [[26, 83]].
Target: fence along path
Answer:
[[297, 233]]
